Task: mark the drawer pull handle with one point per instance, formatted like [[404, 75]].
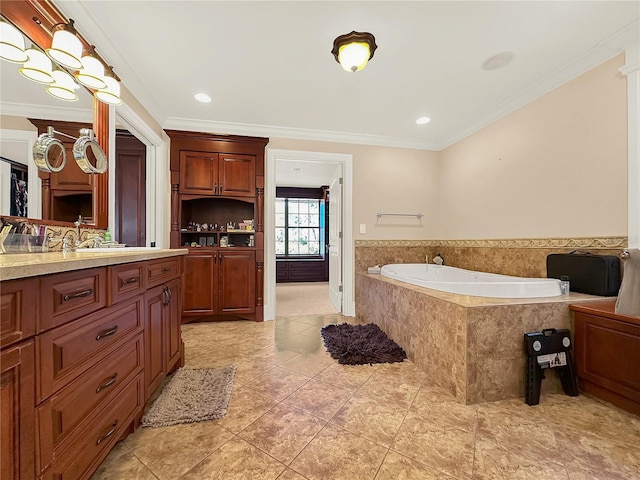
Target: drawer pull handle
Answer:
[[166, 269], [110, 382], [130, 280], [107, 333], [84, 293], [108, 434]]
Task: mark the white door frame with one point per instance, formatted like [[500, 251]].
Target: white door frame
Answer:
[[27, 138], [348, 300], [157, 169]]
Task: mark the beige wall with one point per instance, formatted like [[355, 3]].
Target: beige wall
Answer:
[[16, 123], [555, 168], [388, 180]]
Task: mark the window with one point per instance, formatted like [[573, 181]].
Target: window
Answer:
[[299, 227]]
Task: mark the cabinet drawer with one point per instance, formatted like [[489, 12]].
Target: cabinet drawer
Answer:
[[59, 415], [18, 310], [159, 271], [67, 351], [126, 281], [67, 296], [78, 456]]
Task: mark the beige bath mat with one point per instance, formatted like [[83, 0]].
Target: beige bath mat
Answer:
[[192, 395]]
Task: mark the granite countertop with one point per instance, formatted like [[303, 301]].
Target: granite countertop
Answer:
[[22, 265]]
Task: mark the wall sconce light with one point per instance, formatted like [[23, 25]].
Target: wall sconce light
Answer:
[[92, 73], [66, 47], [50, 155], [354, 50], [12, 44], [63, 87], [38, 67], [110, 94]]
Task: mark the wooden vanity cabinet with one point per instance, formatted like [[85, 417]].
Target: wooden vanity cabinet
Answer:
[[219, 179], [78, 349]]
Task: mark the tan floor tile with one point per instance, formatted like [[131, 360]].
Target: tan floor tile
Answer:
[[370, 420], [121, 463], [289, 474], [336, 454], [388, 390], [429, 394], [299, 343], [438, 416], [318, 398], [283, 432], [398, 467], [236, 460], [274, 356], [245, 407], [407, 371], [499, 462], [178, 448], [307, 364], [278, 383], [449, 450], [249, 368], [349, 377], [292, 326]]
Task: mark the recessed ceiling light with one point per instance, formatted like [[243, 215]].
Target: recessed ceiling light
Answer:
[[498, 61], [423, 120], [202, 97], [296, 169]]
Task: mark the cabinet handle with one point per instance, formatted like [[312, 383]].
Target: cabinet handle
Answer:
[[130, 280], [108, 434], [107, 333], [84, 293], [165, 295], [110, 382], [166, 269], [170, 294]]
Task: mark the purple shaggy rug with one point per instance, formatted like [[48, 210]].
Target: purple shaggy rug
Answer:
[[360, 344]]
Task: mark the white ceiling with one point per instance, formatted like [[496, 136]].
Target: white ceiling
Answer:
[[270, 72]]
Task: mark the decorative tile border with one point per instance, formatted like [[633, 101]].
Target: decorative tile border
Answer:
[[587, 242]]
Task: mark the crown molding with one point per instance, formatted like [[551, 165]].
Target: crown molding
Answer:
[[206, 126], [46, 112]]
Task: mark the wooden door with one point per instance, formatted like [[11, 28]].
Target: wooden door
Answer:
[[17, 408], [198, 173], [237, 175], [131, 188], [237, 282], [199, 284], [173, 314], [154, 339]]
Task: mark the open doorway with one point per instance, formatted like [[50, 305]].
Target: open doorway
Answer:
[[130, 190], [288, 167]]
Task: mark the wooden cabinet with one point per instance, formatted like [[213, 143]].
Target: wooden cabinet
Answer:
[[221, 282], [17, 425], [607, 354], [162, 333], [217, 183], [82, 351]]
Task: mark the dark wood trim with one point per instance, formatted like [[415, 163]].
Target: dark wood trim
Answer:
[[300, 192]]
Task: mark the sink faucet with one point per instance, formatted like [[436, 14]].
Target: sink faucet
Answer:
[[93, 240]]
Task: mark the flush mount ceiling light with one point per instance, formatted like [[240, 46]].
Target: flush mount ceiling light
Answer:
[[38, 68], [66, 47], [353, 50], [12, 44], [422, 120], [202, 98], [498, 61]]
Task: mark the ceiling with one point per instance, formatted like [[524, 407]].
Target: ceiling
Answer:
[[268, 67]]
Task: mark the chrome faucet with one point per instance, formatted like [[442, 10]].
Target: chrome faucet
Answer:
[[92, 241]]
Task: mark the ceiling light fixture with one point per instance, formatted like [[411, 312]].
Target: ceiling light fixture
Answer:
[[354, 50], [497, 61], [66, 47], [38, 68], [423, 120], [12, 44], [202, 98], [110, 94]]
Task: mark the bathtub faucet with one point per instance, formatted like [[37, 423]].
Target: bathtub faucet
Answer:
[[438, 259]]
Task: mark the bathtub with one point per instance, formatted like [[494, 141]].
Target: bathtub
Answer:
[[469, 282]]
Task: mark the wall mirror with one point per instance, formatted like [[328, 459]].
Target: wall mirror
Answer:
[[26, 112]]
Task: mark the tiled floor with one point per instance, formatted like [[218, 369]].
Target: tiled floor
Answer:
[[297, 414]]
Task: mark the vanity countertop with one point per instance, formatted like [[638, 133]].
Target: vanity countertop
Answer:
[[22, 265]]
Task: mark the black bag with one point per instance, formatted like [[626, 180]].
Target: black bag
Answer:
[[588, 273]]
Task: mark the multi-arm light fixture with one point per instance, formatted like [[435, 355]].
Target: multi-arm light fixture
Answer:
[[66, 51], [354, 50]]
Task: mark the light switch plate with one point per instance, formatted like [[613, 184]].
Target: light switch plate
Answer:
[[363, 228]]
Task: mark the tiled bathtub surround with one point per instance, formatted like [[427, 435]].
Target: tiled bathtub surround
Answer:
[[470, 346], [518, 257]]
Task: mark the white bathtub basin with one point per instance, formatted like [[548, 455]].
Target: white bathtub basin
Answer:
[[117, 250]]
